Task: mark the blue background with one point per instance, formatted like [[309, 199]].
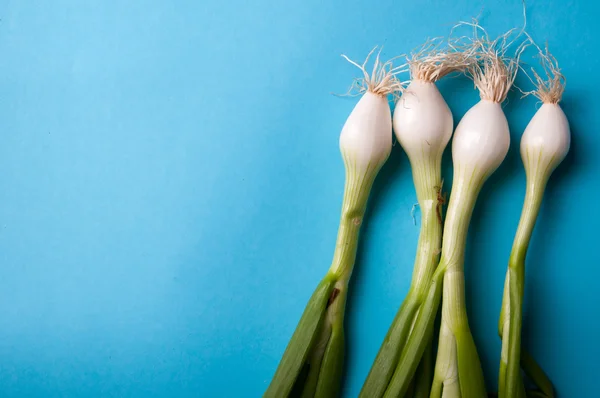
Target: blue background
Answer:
[[170, 188]]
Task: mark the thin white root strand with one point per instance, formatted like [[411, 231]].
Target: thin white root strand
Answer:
[[438, 58], [549, 89], [494, 74], [383, 78]]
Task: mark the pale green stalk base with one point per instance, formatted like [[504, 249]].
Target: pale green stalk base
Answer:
[[419, 339], [510, 382], [427, 180], [424, 375], [458, 371], [312, 363]]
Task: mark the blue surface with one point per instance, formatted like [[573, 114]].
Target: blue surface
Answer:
[[170, 187]]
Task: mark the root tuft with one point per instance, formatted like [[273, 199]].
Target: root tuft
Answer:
[[438, 58], [382, 80], [494, 72], [549, 89]]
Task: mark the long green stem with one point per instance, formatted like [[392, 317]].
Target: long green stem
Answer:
[[510, 380], [420, 337], [424, 375], [427, 180], [536, 374], [458, 368], [332, 365], [300, 345], [312, 363], [356, 194]]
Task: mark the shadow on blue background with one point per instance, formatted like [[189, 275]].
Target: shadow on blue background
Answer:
[[170, 188]]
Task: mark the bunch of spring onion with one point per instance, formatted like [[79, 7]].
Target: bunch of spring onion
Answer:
[[312, 363], [544, 145], [480, 144], [423, 126]]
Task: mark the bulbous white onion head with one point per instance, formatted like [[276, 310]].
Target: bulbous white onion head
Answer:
[[546, 140], [366, 138], [481, 141], [422, 121]]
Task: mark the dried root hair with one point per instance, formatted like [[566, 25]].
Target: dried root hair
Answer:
[[438, 58], [495, 72], [549, 88], [382, 80]]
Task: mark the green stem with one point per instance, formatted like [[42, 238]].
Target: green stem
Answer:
[[332, 366], [424, 374], [299, 348], [510, 380], [387, 357], [463, 361], [420, 337], [455, 231], [514, 383], [536, 374], [356, 194], [312, 362], [427, 181], [316, 358]]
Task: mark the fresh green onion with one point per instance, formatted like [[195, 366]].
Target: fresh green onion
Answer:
[[312, 363], [544, 145]]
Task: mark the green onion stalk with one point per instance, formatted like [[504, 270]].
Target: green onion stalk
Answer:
[[312, 363], [544, 145]]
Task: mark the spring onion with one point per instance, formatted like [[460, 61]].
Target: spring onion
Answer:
[[544, 145], [312, 363]]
